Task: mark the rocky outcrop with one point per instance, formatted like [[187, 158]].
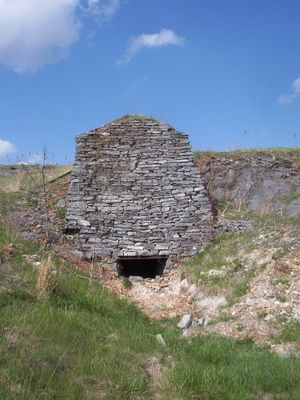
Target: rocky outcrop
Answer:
[[136, 192], [264, 182]]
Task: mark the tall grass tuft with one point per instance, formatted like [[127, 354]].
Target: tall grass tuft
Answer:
[[44, 277]]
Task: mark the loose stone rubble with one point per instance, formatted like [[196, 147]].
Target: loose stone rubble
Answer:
[[273, 298], [135, 191]]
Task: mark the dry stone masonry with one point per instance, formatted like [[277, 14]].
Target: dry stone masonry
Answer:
[[135, 192]]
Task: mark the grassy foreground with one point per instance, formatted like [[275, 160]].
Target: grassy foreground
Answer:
[[72, 339]]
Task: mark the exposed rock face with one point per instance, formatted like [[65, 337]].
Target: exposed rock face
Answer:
[[265, 182], [135, 191]]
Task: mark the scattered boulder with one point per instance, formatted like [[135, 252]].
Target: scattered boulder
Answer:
[[185, 322]]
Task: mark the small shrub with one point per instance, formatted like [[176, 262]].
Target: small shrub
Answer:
[[32, 202], [126, 282], [61, 213], [282, 298], [262, 315], [225, 318]]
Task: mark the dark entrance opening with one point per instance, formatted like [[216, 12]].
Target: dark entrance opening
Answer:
[[146, 267], [71, 231]]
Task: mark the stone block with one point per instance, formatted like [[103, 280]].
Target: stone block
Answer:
[[185, 322]]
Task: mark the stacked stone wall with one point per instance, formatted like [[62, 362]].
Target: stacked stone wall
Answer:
[[135, 191]]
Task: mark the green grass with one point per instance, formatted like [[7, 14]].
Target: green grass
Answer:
[[82, 342], [292, 153], [214, 368], [290, 333], [126, 282], [220, 255], [79, 340], [61, 213], [32, 178], [281, 297], [5, 181], [7, 202], [262, 220]]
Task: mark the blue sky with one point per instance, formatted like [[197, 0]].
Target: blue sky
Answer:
[[225, 71]]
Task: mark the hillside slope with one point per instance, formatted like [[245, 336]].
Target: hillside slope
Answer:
[[64, 336], [73, 330]]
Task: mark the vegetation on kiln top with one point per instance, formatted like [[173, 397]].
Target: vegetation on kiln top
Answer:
[[140, 117]]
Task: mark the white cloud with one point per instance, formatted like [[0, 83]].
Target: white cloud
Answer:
[[103, 9], [165, 37], [37, 32], [296, 86], [6, 148], [286, 98], [294, 93]]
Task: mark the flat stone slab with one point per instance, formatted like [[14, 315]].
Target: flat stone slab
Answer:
[[134, 278]]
